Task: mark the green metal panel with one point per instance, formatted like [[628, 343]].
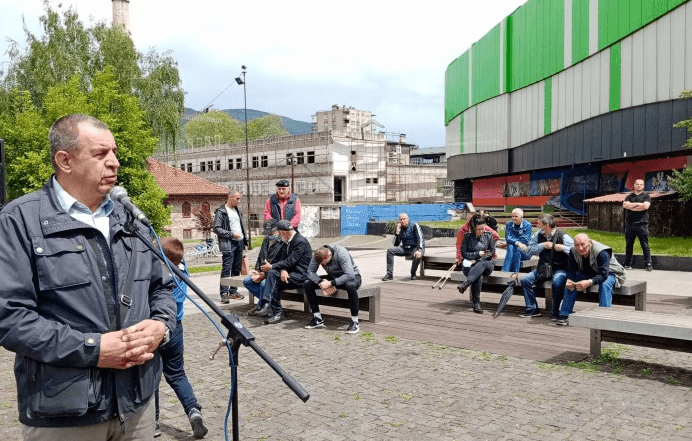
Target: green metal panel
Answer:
[[485, 66], [547, 108], [615, 76], [580, 30], [461, 133], [624, 17], [457, 87], [635, 13]]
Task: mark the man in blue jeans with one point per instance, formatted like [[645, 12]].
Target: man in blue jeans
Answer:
[[517, 237], [553, 247], [590, 263], [270, 251], [172, 352]]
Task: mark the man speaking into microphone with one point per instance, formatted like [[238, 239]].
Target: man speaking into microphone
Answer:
[[83, 305]]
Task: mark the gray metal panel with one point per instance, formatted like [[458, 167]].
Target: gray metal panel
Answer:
[[650, 63], [588, 136], [597, 138], [688, 46], [665, 130], [663, 62], [616, 136], [567, 145], [578, 141], [679, 113], [677, 42], [639, 131], [606, 138], [627, 132], [638, 68], [651, 124]]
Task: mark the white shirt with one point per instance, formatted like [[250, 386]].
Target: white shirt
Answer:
[[78, 211], [234, 221]]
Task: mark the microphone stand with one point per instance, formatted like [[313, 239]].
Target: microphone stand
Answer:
[[237, 333]]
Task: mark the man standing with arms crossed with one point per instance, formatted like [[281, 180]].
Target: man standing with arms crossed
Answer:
[[84, 305], [636, 207], [228, 226]]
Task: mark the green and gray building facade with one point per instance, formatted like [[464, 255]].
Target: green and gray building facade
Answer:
[[567, 99]]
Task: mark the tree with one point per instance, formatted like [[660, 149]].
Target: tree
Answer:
[[218, 125], [205, 220], [682, 181], [28, 153]]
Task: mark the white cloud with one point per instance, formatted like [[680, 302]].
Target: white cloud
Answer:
[[385, 56]]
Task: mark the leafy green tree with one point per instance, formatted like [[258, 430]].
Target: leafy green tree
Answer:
[[208, 127], [28, 153], [682, 181]]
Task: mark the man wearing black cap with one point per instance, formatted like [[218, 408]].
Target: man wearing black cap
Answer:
[[290, 271], [283, 205], [270, 251]]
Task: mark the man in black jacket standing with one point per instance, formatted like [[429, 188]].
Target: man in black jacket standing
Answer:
[[290, 271], [228, 226], [636, 207]]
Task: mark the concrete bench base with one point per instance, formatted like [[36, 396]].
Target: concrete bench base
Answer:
[[368, 297], [640, 328], [629, 294]]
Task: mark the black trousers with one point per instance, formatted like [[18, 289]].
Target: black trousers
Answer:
[[637, 231], [475, 275], [350, 287], [230, 264]]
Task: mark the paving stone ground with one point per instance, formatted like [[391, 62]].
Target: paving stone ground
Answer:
[[382, 387]]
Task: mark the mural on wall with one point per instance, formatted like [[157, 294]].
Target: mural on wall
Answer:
[[309, 221], [354, 218], [544, 187], [658, 181]]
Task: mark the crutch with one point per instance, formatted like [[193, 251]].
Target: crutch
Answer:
[[445, 278]]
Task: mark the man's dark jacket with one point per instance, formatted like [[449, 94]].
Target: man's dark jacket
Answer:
[[270, 251], [289, 208], [295, 259], [55, 303], [222, 228], [410, 238]]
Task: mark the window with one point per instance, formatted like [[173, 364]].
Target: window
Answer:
[[202, 166], [230, 164], [255, 161], [210, 165], [218, 165], [189, 167], [182, 167], [187, 234], [371, 180], [238, 163], [289, 157], [186, 209], [254, 221], [311, 157], [301, 157], [265, 161]]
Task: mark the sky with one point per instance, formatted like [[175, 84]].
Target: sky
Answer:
[[385, 56]]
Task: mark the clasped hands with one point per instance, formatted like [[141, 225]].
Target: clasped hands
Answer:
[[132, 346], [582, 285], [327, 288]]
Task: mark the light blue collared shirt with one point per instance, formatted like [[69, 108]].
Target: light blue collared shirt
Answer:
[[78, 211]]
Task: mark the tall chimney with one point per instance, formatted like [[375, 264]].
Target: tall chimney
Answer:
[[121, 15]]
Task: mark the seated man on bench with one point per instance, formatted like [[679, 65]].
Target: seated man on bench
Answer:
[[271, 249], [553, 247], [408, 242], [342, 273], [517, 236], [288, 272], [590, 263]]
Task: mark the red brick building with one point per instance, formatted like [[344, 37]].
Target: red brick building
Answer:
[[187, 194]]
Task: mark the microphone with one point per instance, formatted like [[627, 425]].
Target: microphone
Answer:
[[119, 194]]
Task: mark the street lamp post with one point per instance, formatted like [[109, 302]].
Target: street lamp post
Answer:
[[240, 80]]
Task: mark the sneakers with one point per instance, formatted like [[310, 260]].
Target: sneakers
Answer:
[[157, 430], [352, 328], [235, 296], [529, 314], [265, 311], [388, 277], [554, 318], [197, 423], [276, 318], [649, 268], [315, 323], [628, 266], [562, 322], [224, 298], [413, 277]]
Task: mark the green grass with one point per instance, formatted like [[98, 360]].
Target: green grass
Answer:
[[204, 269], [670, 246]]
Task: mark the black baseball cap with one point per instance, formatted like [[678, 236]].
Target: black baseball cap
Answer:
[[282, 183]]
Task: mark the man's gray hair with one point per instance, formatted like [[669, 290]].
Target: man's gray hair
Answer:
[[547, 219], [232, 192], [64, 133]]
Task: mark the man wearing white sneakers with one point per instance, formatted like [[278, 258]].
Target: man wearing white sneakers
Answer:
[[342, 273]]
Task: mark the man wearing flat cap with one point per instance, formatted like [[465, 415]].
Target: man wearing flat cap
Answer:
[[283, 205], [270, 251], [289, 271]]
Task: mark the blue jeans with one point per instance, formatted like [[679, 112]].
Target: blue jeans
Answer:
[[174, 371], [255, 289], [230, 264], [605, 294], [513, 258], [528, 283], [272, 287]]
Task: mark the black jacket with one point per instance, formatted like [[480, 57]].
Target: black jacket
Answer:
[[271, 249], [222, 228], [295, 259], [473, 244]]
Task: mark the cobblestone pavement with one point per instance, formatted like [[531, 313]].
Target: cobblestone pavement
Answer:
[[380, 387]]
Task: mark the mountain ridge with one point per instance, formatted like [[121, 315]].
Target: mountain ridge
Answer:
[[293, 126]]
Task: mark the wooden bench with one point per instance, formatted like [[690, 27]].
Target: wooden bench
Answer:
[[368, 297], [640, 328], [630, 293], [445, 262]]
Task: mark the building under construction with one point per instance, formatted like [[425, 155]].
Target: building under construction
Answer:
[[324, 168]]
